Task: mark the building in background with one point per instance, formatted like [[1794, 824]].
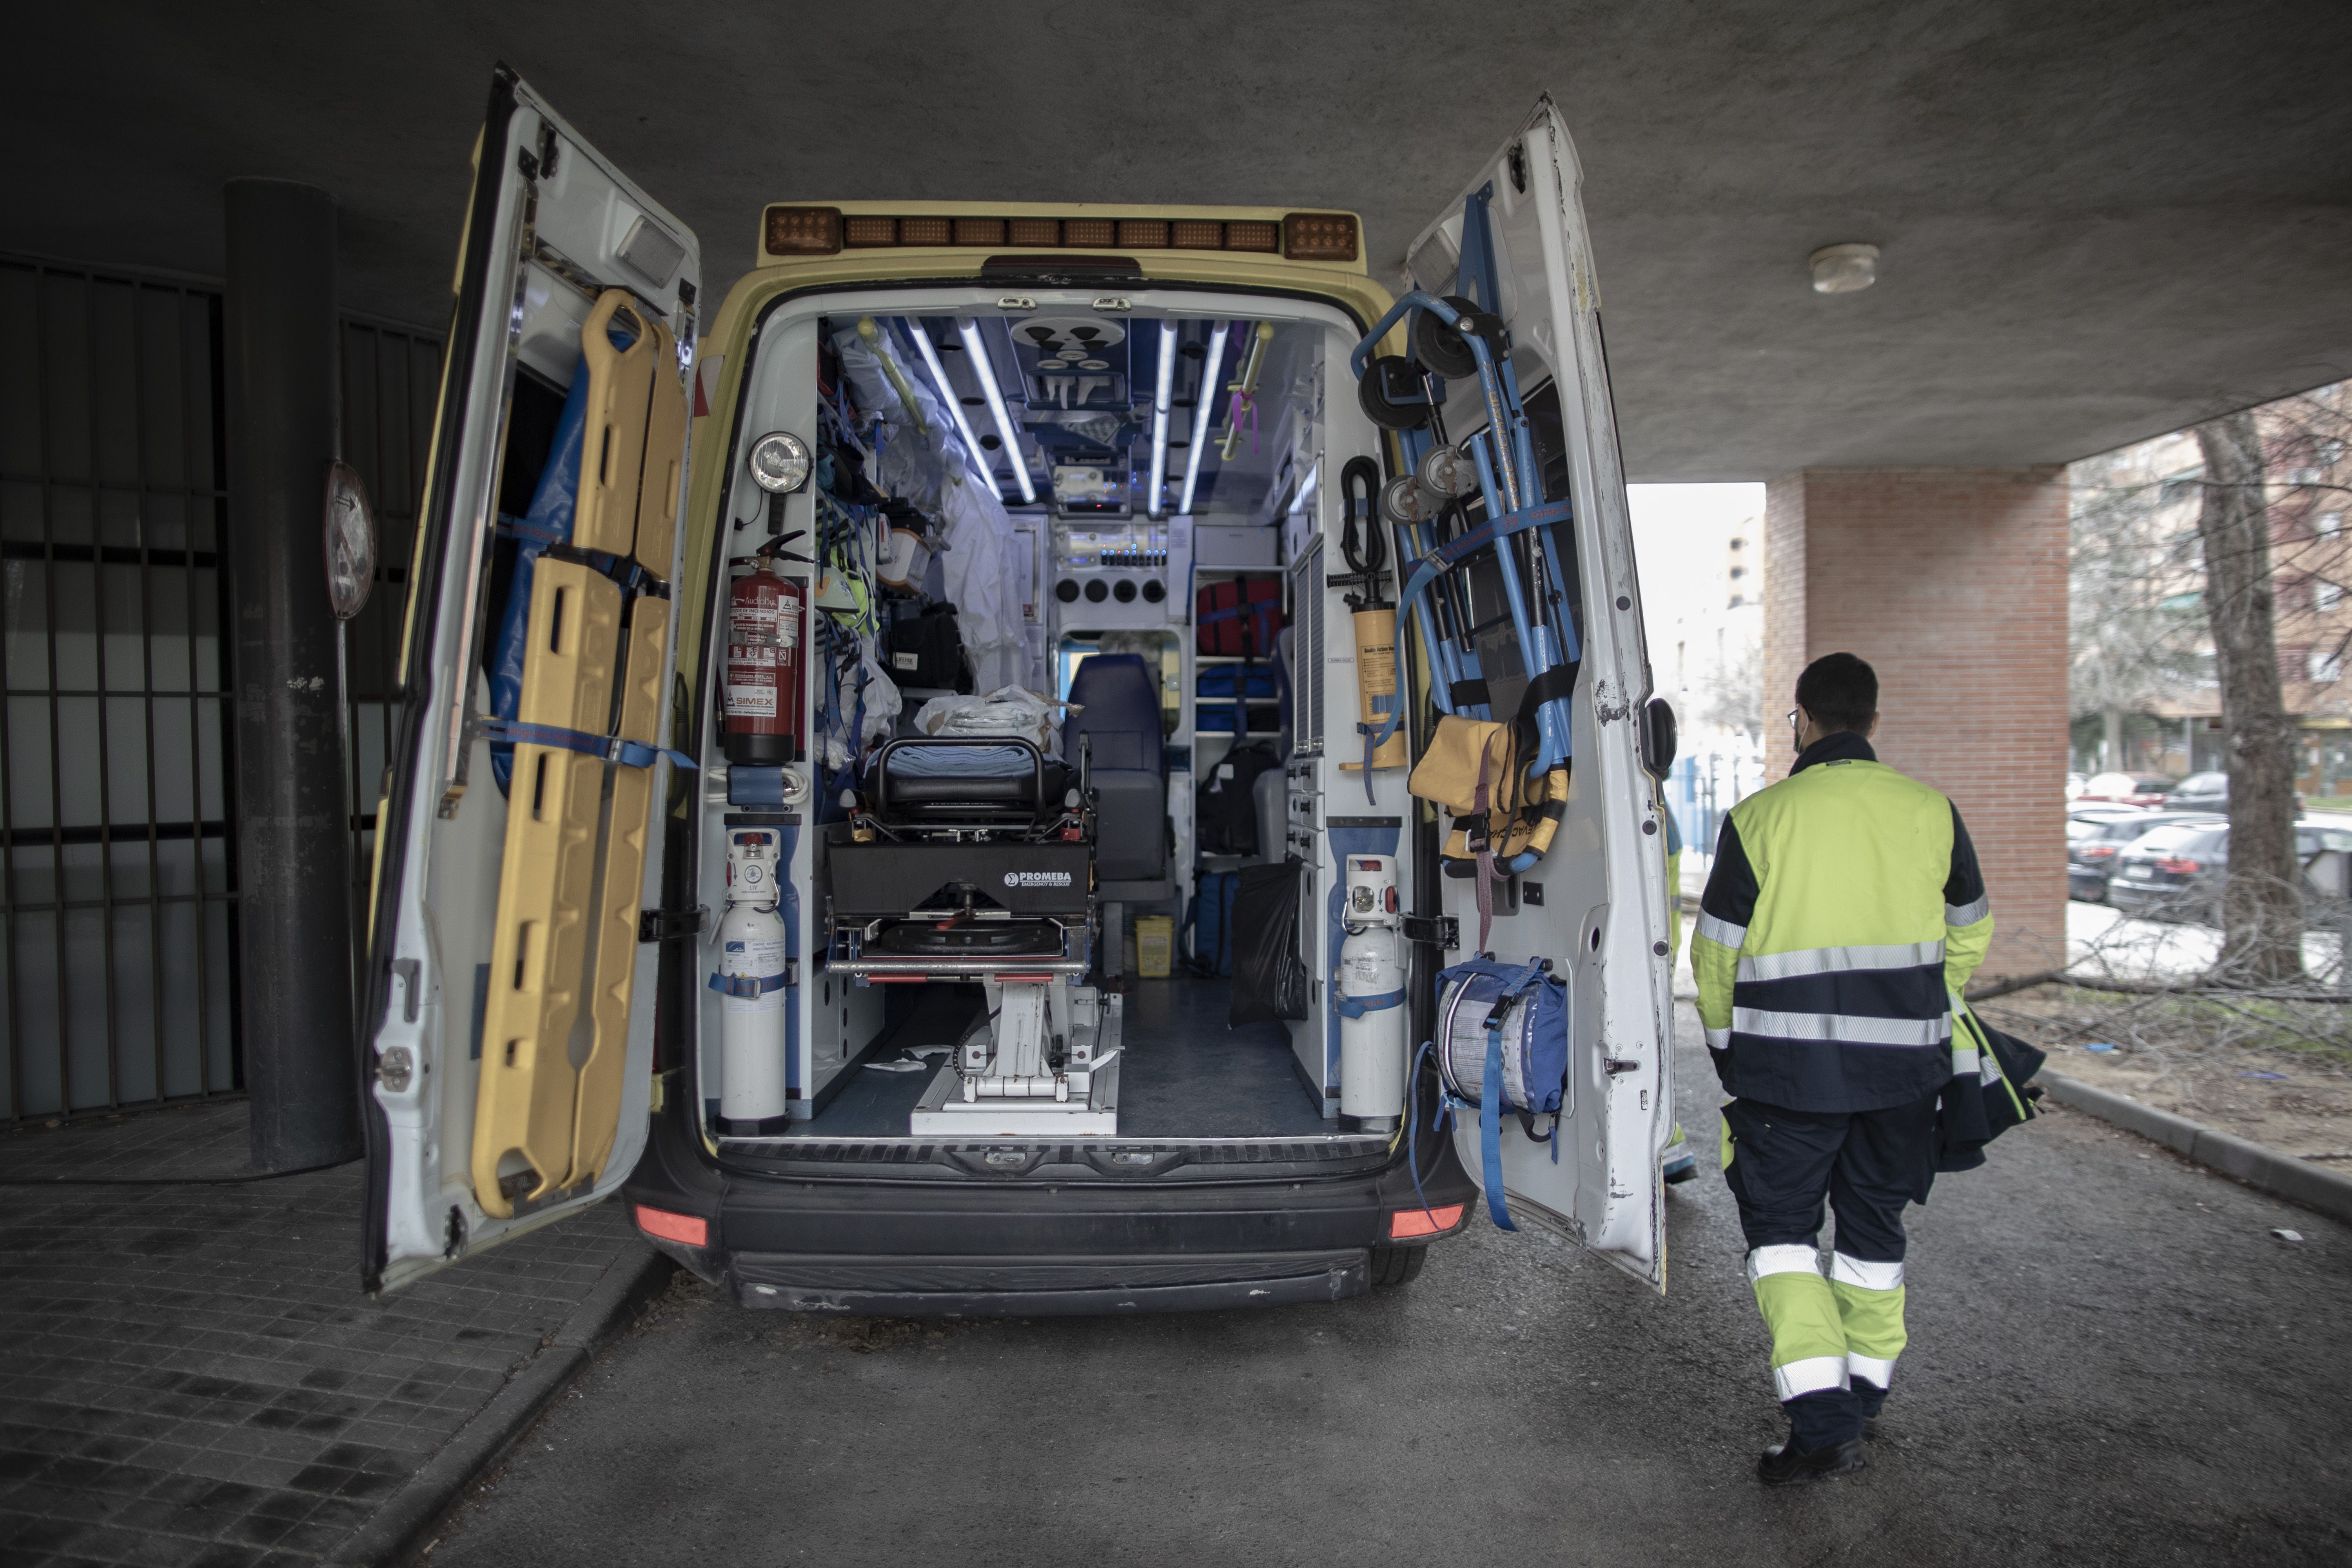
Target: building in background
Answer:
[[1702, 558]]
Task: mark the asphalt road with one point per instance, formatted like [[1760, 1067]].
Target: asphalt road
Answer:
[[2114, 1360]]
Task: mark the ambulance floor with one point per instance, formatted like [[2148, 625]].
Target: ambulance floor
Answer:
[[1183, 1074]]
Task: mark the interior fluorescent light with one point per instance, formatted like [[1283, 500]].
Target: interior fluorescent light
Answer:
[[1159, 415], [969, 330], [1306, 490], [980, 464], [1204, 414]]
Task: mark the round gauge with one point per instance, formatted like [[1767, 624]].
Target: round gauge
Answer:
[[1124, 592], [1097, 592], [779, 462], [350, 539]]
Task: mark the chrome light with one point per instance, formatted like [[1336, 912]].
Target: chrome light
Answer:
[[779, 462]]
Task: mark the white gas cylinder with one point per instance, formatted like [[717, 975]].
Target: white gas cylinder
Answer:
[[1370, 986], [751, 959]]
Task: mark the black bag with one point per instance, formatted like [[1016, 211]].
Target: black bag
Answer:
[[927, 650], [1225, 812], [1269, 978], [1971, 1112]]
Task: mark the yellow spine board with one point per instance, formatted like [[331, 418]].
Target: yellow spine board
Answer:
[[621, 399], [661, 494], [546, 887], [1376, 676], [598, 1117]]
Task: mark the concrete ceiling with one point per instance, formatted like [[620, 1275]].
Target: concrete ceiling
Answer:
[[2100, 220]]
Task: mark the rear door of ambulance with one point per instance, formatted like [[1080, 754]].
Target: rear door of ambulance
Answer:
[[507, 1030], [1604, 924]]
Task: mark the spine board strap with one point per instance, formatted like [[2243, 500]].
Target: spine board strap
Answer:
[[608, 748]]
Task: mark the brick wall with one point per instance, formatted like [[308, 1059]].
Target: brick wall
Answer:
[[1952, 582]]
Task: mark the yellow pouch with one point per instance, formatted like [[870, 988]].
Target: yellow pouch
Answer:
[[1449, 770]]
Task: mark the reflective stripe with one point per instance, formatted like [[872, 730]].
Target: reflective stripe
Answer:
[[1767, 1260], [1881, 1373], [1721, 933], [1843, 1028], [1964, 1061], [1864, 1274], [1718, 1039], [1840, 960], [1810, 1375], [1968, 914]]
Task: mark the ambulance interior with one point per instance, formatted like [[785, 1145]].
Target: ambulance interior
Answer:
[[1070, 860]]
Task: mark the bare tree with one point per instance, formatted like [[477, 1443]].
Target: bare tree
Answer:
[[2134, 622], [1731, 697], [2261, 913]]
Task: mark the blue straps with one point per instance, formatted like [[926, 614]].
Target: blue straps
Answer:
[[606, 748], [746, 985], [1490, 1119], [1356, 1007]]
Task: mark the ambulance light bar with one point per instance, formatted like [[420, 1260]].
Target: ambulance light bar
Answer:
[[825, 231]]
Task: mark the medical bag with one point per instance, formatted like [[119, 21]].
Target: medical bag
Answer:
[[926, 651], [1224, 811], [1502, 1045], [1239, 615], [1209, 924]]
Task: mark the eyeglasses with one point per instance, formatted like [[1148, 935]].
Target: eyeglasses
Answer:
[[1795, 720]]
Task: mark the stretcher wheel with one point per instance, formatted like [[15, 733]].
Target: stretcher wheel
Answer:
[[1404, 500], [1440, 346], [1390, 393]]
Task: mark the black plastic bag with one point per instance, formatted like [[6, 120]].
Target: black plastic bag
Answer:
[[1269, 979]]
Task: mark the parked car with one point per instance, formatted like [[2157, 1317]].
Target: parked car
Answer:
[[2128, 789], [2201, 791], [2074, 784], [2177, 873], [2094, 843]]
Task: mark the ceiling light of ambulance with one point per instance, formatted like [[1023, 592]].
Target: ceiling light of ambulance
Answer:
[[983, 366], [826, 231], [931, 353], [1306, 490], [1154, 498], [1206, 414]]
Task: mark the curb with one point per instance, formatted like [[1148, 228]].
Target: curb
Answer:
[[405, 1522], [2281, 1175]]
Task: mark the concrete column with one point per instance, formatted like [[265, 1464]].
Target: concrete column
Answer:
[[1952, 582], [281, 371]]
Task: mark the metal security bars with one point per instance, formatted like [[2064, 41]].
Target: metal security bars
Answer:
[[118, 891], [117, 886]]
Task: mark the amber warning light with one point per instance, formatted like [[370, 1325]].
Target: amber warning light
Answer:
[[826, 231]]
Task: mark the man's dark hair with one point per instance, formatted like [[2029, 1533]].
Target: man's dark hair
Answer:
[[1841, 691]]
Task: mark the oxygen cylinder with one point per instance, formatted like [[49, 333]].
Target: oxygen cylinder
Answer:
[[752, 968], [1371, 990], [765, 614]]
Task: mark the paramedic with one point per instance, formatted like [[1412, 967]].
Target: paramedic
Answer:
[[1843, 911]]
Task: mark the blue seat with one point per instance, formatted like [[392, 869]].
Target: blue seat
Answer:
[[1117, 696]]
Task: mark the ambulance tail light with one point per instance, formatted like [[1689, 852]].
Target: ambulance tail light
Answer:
[[1319, 236], [826, 231], [1404, 1224], [805, 231], [686, 1229]]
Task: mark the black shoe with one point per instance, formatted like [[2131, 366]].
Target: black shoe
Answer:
[[1784, 1464]]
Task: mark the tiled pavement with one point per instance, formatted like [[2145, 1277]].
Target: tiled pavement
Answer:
[[190, 1375]]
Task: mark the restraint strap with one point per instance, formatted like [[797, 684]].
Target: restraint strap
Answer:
[[608, 748], [746, 984], [1356, 1007]]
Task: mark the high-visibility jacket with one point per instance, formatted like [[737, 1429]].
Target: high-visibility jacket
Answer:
[[1844, 912]]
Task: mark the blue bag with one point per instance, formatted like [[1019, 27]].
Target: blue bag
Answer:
[[1209, 922], [1505, 1025], [1219, 680]]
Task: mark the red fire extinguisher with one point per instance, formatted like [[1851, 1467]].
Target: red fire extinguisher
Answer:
[[765, 619]]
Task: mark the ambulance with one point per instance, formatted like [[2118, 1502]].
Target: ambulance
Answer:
[[1032, 758]]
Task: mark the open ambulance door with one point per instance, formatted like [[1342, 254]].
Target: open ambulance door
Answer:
[[508, 1022], [1603, 919]]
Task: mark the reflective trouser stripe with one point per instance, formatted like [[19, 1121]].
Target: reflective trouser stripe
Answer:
[[1868, 1276], [1871, 1319], [1767, 1260], [1808, 1341], [1809, 1376]]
